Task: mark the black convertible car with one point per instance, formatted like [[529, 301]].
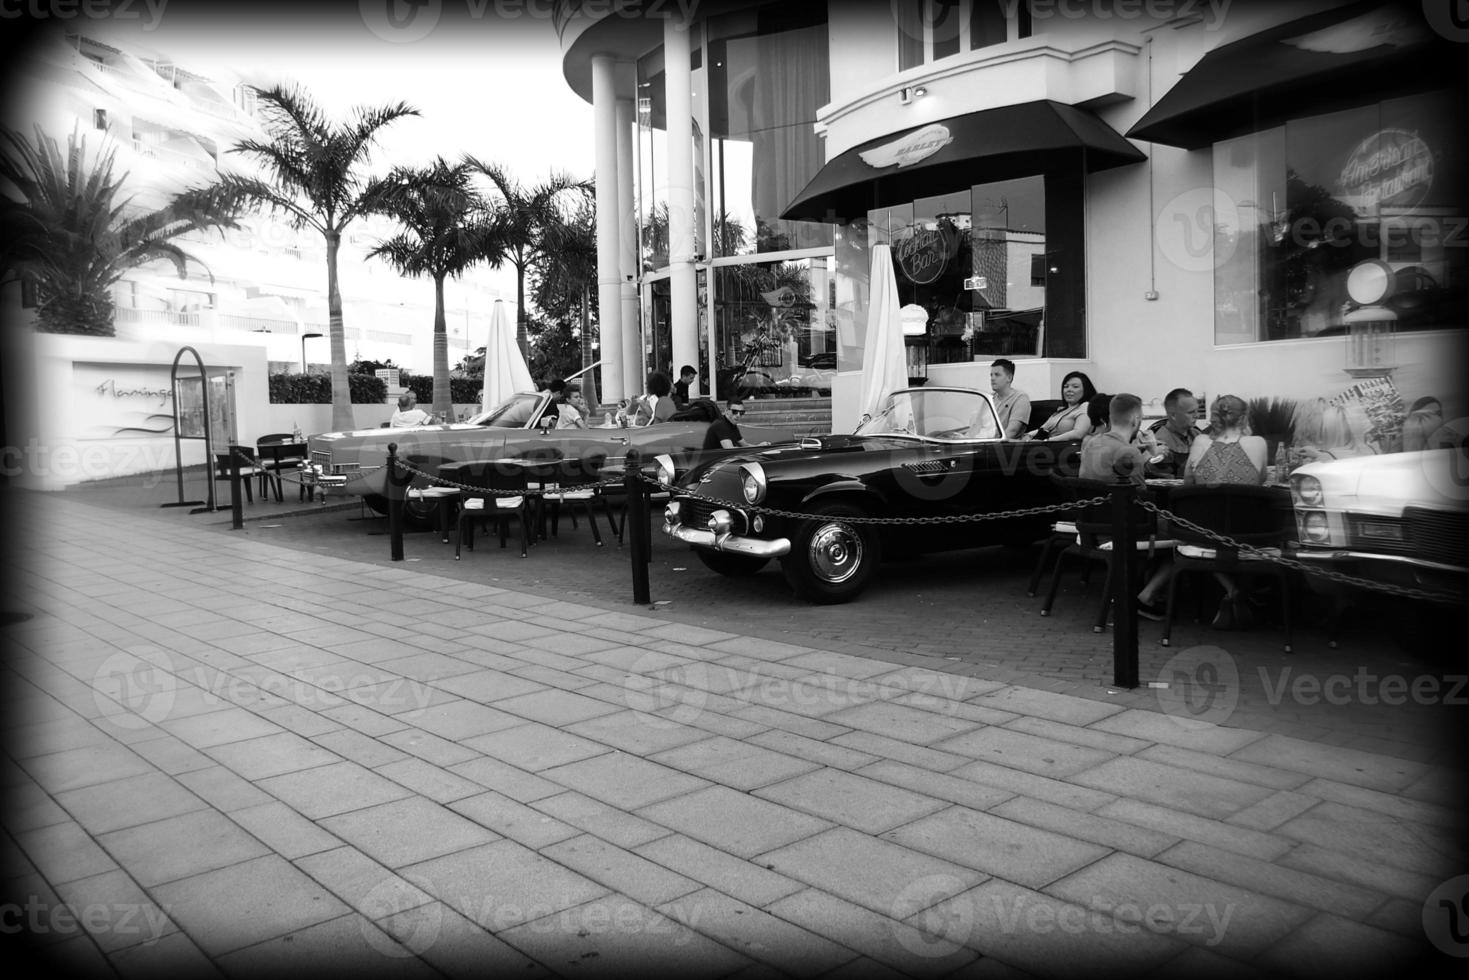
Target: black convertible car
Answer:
[[930, 452]]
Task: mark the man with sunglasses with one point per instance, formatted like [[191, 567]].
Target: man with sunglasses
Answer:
[[724, 432]]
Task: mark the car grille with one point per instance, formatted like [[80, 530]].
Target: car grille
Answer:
[[696, 513], [1432, 535]]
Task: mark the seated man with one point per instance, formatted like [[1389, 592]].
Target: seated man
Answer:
[[724, 432], [408, 413], [686, 376], [1175, 433], [1011, 404]]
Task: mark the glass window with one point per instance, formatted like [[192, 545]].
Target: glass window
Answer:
[[932, 29], [1304, 204], [774, 326]]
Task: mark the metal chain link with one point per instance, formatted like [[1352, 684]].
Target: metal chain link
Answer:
[[1309, 569], [488, 492]]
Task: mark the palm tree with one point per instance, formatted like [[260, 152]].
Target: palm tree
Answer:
[[445, 232], [73, 236], [568, 275], [523, 216], [314, 169]]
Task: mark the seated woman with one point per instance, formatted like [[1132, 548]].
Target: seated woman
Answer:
[[1096, 414], [1228, 454], [1325, 432], [1424, 427], [655, 405], [1069, 422], [573, 407]]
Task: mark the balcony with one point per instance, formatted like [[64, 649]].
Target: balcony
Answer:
[[124, 314]]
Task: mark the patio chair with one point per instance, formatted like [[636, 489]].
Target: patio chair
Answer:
[[1247, 514], [278, 452], [249, 471], [1094, 541], [509, 477], [570, 480]]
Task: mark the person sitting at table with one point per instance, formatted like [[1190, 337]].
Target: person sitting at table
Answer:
[[1112, 456], [1098, 413], [408, 413], [1012, 406], [1069, 422], [573, 408], [1324, 432], [1424, 427], [1229, 454], [686, 376], [655, 405], [1175, 432]]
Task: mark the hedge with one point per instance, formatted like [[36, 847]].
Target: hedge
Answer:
[[462, 391], [316, 389]]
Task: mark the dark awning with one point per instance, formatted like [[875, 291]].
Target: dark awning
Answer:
[[954, 154], [1356, 54]]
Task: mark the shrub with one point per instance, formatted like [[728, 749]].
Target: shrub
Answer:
[[462, 391], [316, 389]]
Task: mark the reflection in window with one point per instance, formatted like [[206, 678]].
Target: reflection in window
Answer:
[[1303, 204], [773, 325]]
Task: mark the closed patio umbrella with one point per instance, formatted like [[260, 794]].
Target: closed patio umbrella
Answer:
[[505, 369], [884, 368]]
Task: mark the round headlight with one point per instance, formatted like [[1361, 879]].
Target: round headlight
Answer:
[[752, 482], [665, 470], [1314, 528], [1308, 491]]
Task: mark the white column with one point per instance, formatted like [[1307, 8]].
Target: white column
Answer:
[[632, 335], [683, 283], [609, 265]]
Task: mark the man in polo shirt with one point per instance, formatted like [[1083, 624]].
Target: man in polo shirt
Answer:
[[1011, 404], [1175, 432], [724, 432]]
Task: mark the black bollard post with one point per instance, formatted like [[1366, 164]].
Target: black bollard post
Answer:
[[395, 505], [1124, 610], [636, 521], [237, 505]]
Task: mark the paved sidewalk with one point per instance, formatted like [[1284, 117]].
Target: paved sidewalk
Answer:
[[225, 756]]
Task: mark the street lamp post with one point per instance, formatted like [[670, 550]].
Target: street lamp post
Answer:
[[305, 337]]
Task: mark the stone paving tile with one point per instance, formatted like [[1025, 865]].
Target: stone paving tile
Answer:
[[1240, 840], [1267, 878], [534, 746], [178, 847], [272, 755], [1334, 946], [622, 870], [218, 727], [302, 721], [1004, 848], [600, 819], [900, 722], [1171, 786], [1061, 792], [514, 820], [743, 879], [1094, 827], [1044, 936], [1414, 811], [1227, 919], [429, 780], [456, 946], [1274, 810], [284, 830], [502, 777], [328, 790], [737, 764], [364, 720], [1091, 738], [486, 686], [1168, 730], [406, 831], [1377, 837], [625, 781], [64, 852], [888, 941], [556, 707], [58, 772], [851, 799], [623, 938], [758, 934], [1045, 704], [733, 822], [346, 944], [812, 750], [935, 785], [1030, 753], [1245, 772], [1401, 916], [125, 802], [248, 903], [172, 755], [28, 807], [363, 883], [175, 954], [899, 751], [115, 912], [359, 748], [874, 873], [1332, 762], [502, 884], [429, 666], [431, 748], [459, 719], [222, 789]]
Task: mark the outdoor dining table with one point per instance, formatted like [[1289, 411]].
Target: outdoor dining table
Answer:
[[274, 456]]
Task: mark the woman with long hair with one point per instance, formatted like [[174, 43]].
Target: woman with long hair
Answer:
[[1229, 453], [1069, 422]]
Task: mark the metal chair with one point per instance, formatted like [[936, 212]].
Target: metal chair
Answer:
[[1247, 514], [570, 480], [1094, 540], [277, 452], [248, 471], [511, 499]]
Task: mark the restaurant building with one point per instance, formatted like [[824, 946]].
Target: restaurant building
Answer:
[[1266, 199]]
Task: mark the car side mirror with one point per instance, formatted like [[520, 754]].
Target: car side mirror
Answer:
[[545, 424]]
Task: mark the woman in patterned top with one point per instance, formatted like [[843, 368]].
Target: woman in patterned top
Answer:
[[1229, 454]]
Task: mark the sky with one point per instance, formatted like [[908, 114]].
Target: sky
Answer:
[[483, 82]]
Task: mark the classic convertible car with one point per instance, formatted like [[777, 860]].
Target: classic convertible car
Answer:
[[1401, 518], [929, 452], [354, 462]]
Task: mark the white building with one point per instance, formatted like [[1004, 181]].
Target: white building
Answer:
[[1159, 195]]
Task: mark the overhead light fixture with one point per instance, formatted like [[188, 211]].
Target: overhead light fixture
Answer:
[[910, 92]]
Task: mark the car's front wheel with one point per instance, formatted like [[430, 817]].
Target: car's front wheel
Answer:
[[832, 560], [734, 566]]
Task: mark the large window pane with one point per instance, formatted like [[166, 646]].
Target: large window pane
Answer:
[[773, 325]]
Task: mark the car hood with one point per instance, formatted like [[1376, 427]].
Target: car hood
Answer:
[[1436, 478], [809, 448], [391, 434]]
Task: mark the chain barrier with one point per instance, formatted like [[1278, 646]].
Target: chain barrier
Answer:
[[1306, 567]]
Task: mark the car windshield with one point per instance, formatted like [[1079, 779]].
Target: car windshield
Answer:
[[514, 412], [937, 413]]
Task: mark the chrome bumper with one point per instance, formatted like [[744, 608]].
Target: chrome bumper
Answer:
[[722, 540], [1343, 555]]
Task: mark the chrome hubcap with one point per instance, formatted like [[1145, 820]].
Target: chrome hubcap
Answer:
[[835, 553]]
